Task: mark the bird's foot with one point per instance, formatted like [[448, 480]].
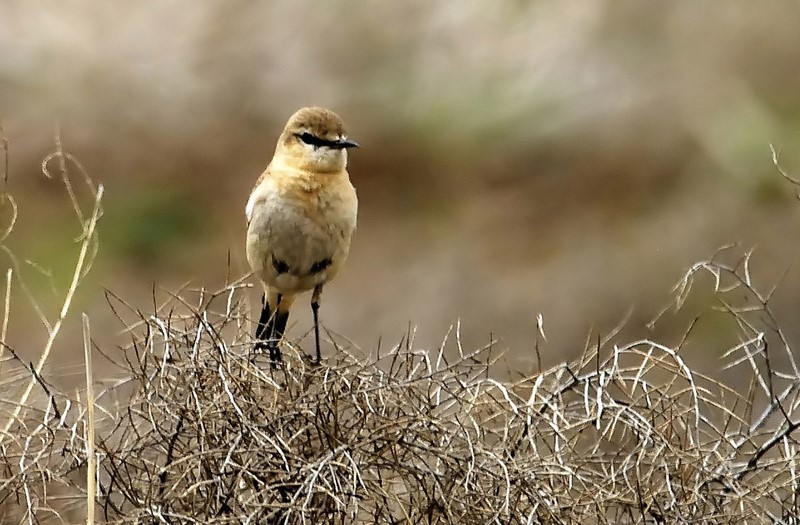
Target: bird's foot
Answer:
[[271, 346]]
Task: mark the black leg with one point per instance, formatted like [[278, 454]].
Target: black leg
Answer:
[[261, 329], [315, 311], [279, 321], [271, 335], [270, 329]]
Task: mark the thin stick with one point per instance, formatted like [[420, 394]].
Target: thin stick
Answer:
[[6, 314], [91, 460], [4, 142]]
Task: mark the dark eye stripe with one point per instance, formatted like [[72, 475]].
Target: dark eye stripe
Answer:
[[315, 141]]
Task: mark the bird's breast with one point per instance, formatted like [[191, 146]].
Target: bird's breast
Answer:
[[300, 230]]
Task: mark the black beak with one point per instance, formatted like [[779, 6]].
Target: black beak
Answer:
[[344, 144]]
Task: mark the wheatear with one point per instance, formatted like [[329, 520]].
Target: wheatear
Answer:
[[300, 218]]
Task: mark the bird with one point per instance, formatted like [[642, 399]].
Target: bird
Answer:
[[301, 216]]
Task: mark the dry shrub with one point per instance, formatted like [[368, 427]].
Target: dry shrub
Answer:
[[196, 428]]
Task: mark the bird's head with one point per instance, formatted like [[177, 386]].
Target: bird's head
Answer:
[[314, 139]]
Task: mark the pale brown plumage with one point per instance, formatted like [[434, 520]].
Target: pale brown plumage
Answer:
[[301, 216]]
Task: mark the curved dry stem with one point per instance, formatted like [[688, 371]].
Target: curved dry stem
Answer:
[[80, 268]]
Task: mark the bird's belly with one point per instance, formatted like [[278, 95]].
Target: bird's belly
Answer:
[[294, 250]]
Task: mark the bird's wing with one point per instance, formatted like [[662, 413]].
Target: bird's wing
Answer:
[[256, 195]]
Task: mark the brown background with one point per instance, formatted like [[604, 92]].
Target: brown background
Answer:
[[518, 158]]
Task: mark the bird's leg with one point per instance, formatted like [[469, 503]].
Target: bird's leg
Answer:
[[271, 326], [274, 331], [262, 323], [315, 297], [280, 319]]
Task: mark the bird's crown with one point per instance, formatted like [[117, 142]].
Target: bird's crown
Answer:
[[320, 122], [315, 130]]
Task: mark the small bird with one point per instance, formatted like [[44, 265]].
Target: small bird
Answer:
[[301, 216]]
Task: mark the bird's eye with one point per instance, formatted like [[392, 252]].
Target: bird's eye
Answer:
[[308, 138], [313, 140]]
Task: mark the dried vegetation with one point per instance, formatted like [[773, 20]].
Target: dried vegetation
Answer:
[[195, 428]]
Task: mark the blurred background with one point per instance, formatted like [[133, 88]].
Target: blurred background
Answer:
[[568, 159]]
